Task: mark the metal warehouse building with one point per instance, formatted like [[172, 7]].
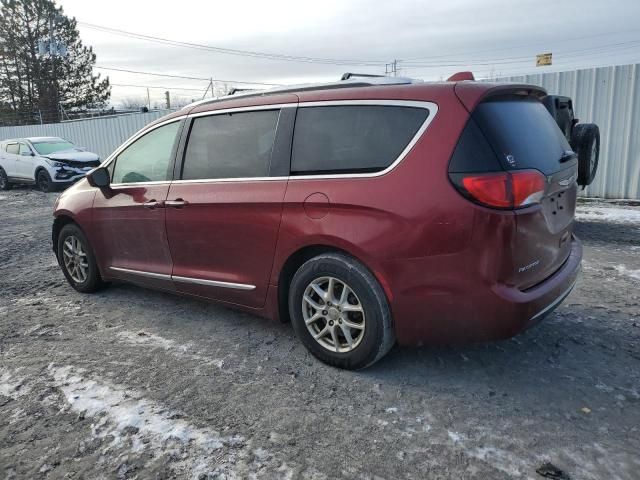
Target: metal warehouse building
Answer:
[[608, 96]]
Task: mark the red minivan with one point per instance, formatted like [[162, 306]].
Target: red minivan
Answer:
[[364, 212]]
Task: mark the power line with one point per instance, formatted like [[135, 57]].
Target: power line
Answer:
[[156, 86], [613, 48], [513, 47], [233, 51], [100, 67]]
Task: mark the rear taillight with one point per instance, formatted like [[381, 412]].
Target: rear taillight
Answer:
[[515, 189]]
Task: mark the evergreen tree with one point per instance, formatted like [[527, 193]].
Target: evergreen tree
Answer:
[[34, 86]]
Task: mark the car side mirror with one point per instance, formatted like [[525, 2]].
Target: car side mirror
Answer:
[[99, 178]]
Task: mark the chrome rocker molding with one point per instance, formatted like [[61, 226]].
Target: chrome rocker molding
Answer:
[[175, 278]]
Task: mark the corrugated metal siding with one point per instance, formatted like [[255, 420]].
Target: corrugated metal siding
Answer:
[[609, 97], [100, 135]]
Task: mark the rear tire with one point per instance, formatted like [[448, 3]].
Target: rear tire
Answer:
[[351, 327], [585, 141], [77, 260], [4, 180], [44, 182]]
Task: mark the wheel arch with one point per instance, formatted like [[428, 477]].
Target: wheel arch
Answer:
[[58, 223], [295, 260]]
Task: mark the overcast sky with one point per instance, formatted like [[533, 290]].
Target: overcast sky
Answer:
[[432, 39]]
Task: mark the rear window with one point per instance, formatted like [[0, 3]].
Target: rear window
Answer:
[[522, 133], [352, 138]]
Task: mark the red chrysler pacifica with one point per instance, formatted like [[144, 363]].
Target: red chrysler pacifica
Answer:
[[365, 212]]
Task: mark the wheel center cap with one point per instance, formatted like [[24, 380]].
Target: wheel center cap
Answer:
[[333, 314]]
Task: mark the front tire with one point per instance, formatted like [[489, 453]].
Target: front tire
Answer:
[[4, 180], [44, 182], [340, 312], [77, 260]]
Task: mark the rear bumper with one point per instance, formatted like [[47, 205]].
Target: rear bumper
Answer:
[[473, 311]]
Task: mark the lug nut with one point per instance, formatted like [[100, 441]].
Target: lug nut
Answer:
[[331, 323], [324, 312]]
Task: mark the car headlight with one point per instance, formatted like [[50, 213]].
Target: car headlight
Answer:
[[54, 163]]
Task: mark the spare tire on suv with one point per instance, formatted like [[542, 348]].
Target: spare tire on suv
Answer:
[[585, 141]]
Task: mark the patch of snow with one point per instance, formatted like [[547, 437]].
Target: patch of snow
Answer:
[[10, 386], [500, 459], [622, 270], [608, 214], [144, 425], [156, 341], [2, 197], [145, 338], [391, 410], [455, 437]]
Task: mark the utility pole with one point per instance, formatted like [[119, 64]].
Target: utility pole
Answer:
[[168, 97], [148, 100], [391, 68], [212, 92]]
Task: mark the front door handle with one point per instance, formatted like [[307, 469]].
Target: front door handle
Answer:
[[177, 203], [151, 204]]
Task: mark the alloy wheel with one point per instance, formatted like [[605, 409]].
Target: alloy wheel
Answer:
[[333, 314], [75, 259]]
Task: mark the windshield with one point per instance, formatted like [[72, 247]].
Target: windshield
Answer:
[[45, 148]]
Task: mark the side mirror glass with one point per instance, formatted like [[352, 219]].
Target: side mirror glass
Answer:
[[99, 178]]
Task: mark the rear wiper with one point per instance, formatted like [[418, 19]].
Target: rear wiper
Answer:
[[568, 155]]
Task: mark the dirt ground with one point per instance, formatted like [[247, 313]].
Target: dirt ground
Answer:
[[131, 383]]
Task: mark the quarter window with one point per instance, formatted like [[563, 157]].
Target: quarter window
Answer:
[[232, 145], [148, 158], [352, 138]]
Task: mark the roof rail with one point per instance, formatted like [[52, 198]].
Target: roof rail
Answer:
[[348, 75], [372, 81]]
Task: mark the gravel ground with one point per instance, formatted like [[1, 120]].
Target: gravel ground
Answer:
[[131, 383]]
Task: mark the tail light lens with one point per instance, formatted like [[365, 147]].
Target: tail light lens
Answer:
[[515, 189]]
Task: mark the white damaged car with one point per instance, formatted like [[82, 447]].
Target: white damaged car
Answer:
[[51, 163]]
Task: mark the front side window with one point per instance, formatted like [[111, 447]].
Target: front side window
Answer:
[[13, 148], [148, 158], [352, 138], [24, 149], [232, 145]]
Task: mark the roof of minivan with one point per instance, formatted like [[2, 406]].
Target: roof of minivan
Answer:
[[468, 92]]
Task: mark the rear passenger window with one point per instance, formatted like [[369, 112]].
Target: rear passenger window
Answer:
[[352, 138], [233, 145], [13, 148]]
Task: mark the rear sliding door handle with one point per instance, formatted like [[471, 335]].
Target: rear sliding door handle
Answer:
[[152, 204], [177, 203]]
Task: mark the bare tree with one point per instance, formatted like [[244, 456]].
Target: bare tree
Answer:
[[133, 103]]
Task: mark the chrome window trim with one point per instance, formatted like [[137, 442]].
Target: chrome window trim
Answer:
[[254, 108], [430, 106], [175, 278]]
